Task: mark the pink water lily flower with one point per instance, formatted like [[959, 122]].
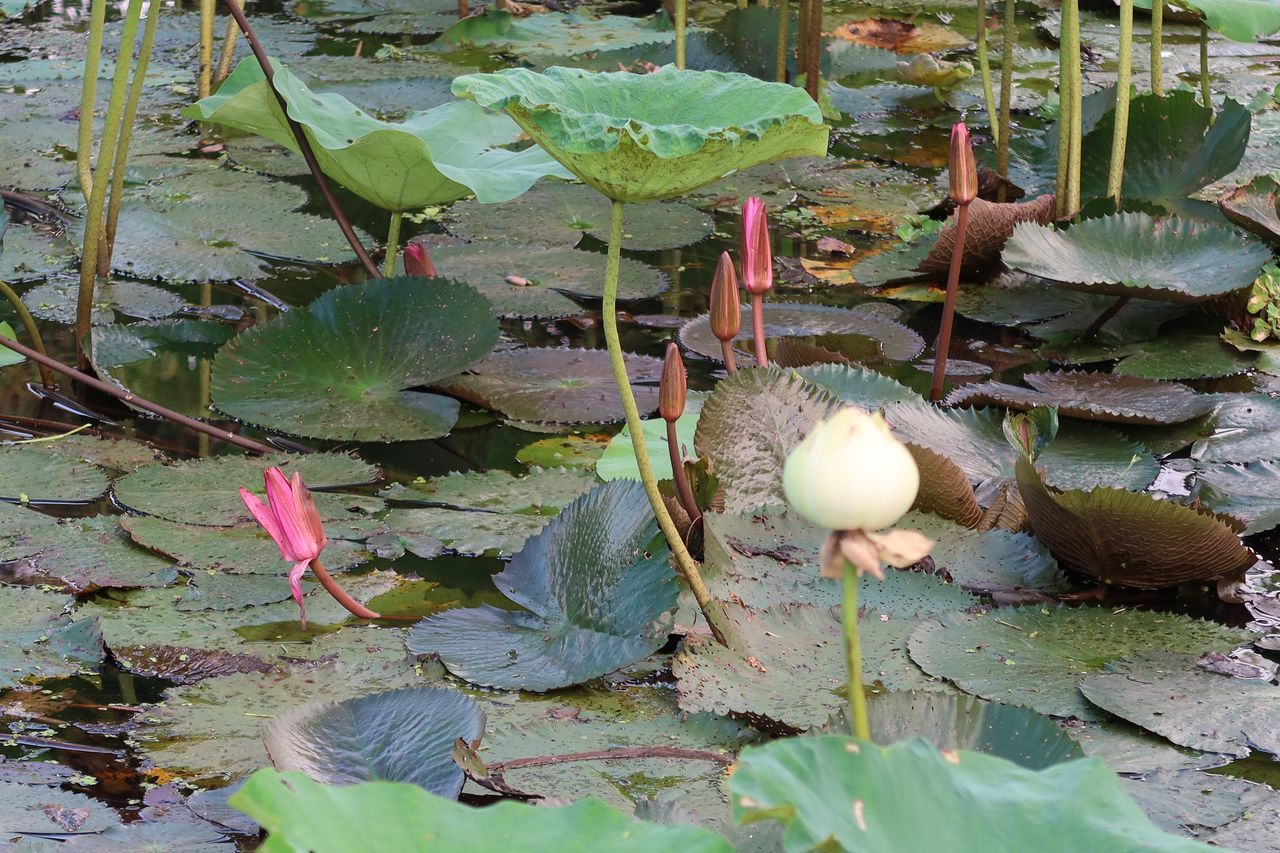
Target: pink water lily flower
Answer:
[[756, 260], [293, 523]]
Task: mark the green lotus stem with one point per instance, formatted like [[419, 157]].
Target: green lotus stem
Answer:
[[93, 222], [88, 95], [1064, 133], [33, 331], [1157, 44], [1071, 45], [853, 656], [393, 244], [984, 68], [780, 57], [1004, 133], [686, 566], [227, 57], [1124, 77], [126, 134], [1206, 93], [208, 11], [682, 15]]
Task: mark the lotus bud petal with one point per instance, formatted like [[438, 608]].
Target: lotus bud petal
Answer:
[[672, 389], [417, 261], [757, 255], [726, 314], [962, 169], [850, 473]]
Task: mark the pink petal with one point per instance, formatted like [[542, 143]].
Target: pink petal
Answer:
[[292, 530], [265, 517], [295, 586]]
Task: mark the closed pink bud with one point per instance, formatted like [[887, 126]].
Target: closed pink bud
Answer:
[[672, 388], [726, 315], [757, 256], [962, 169], [417, 261]]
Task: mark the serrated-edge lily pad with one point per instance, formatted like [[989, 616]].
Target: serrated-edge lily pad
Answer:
[[891, 339], [239, 549], [858, 386], [33, 473], [42, 811], [87, 554], [1250, 492], [55, 301]]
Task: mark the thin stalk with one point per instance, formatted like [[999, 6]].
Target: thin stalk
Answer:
[[126, 134], [303, 145], [1206, 91], [813, 53], [686, 566], [780, 56], [727, 356], [1004, 134], [757, 328], [464, 8], [205, 367], [228, 55], [943, 346], [1071, 39], [680, 477], [742, 4], [802, 43], [33, 331], [339, 594], [1064, 134], [984, 68], [93, 221], [1101, 320], [1124, 77], [853, 656], [134, 400], [88, 96], [1157, 45], [207, 13], [682, 15], [393, 244]]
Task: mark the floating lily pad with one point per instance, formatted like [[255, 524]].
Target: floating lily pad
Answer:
[[185, 665], [550, 273], [1129, 749], [1016, 300], [28, 253], [215, 591], [1035, 656], [553, 384], [1131, 539], [597, 591], [857, 386], [39, 640], [241, 549], [33, 473], [404, 735], [1191, 802], [555, 33], [162, 361], [56, 301], [42, 811], [1093, 396], [765, 559], [205, 491], [1250, 492], [340, 369], [1253, 208], [889, 338], [991, 560], [86, 554], [1181, 356], [1131, 254]]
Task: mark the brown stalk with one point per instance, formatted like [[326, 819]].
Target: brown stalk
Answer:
[[949, 307]]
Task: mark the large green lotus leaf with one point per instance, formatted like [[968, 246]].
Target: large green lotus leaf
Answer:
[[991, 560], [1239, 20], [340, 369], [888, 338], [646, 137], [1131, 539], [86, 554], [835, 792], [1093, 396], [300, 814], [596, 592], [858, 386], [556, 385], [44, 811], [565, 211], [1167, 693], [39, 641], [205, 491], [433, 157], [619, 458], [34, 473], [1035, 656], [545, 276], [404, 735], [749, 424], [241, 549], [1179, 356], [55, 301], [1190, 802], [162, 361], [1250, 492], [1131, 254]]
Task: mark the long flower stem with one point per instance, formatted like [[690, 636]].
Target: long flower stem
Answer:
[[339, 594], [1071, 45], [1157, 45], [1005, 132], [1206, 90], [1064, 133], [393, 244], [33, 331], [802, 43], [686, 566], [949, 306], [1124, 77], [727, 355], [88, 96], [757, 327], [227, 57], [984, 68], [680, 477], [780, 56], [853, 656], [813, 53], [207, 15], [682, 17]]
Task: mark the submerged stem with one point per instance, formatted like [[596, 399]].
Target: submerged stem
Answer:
[[1124, 75], [393, 244], [339, 594], [33, 331], [757, 328], [853, 656], [984, 68], [1157, 45], [88, 96], [1005, 130], [943, 346], [682, 18], [686, 566]]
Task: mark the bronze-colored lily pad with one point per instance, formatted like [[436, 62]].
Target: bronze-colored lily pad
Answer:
[[1131, 539], [1254, 208], [1093, 397], [990, 227]]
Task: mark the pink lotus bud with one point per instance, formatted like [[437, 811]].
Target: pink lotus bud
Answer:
[[726, 316], [672, 389], [962, 170], [417, 261], [757, 256]]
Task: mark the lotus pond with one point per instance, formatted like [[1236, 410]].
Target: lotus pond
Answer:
[[441, 263]]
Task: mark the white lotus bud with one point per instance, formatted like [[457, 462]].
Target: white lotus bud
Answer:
[[850, 473]]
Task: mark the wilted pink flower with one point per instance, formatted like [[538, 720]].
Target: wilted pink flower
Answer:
[[417, 261], [293, 523], [757, 257]]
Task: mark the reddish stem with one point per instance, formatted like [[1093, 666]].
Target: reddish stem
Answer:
[[680, 477], [757, 324], [339, 594], [949, 306], [726, 353]]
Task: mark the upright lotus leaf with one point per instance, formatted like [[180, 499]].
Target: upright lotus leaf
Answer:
[[646, 137], [1238, 20], [404, 735], [341, 369], [833, 792], [1253, 208], [431, 158], [1093, 396], [299, 814], [595, 588], [1035, 656], [1167, 693], [1132, 254], [1132, 539]]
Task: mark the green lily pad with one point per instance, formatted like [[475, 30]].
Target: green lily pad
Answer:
[[619, 458], [889, 338], [1239, 20], [432, 158], [298, 813], [86, 554], [564, 451], [404, 735], [1131, 254], [556, 385], [1128, 749], [858, 386], [596, 590], [555, 33], [241, 549], [205, 491], [1093, 396], [1190, 802], [551, 274], [1250, 492], [117, 454], [833, 791], [215, 591], [29, 253], [990, 560], [646, 137], [162, 361], [1035, 656], [765, 559], [39, 640], [1253, 208], [749, 424], [1183, 357], [55, 301], [1132, 539], [34, 473], [42, 811], [339, 370]]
